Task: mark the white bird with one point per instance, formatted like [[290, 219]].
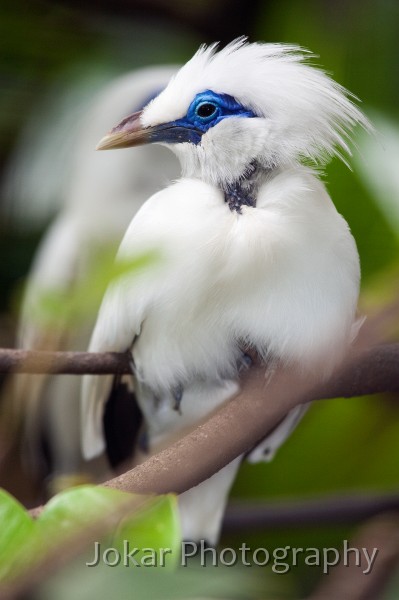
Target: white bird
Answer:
[[252, 250], [102, 196]]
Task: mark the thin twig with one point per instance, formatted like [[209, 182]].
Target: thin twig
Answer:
[[73, 363], [325, 510], [347, 581], [375, 371]]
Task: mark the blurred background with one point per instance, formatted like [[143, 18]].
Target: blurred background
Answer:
[[56, 58]]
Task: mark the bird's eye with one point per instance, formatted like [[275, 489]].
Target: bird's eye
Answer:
[[206, 110]]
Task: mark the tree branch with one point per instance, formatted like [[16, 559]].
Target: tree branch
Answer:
[[375, 371], [348, 580], [71, 363], [241, 423], [324, 510]]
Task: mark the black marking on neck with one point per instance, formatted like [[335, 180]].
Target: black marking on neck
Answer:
[[243, 191]]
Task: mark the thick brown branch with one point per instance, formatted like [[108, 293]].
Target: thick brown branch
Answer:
[[242, 422], [238, 425], [372, 372]]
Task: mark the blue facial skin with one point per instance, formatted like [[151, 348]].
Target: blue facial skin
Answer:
[[206, 110]]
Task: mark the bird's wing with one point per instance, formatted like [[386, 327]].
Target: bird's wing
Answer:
[[266, 450], [124, 308], [115, 331], [122, 421]]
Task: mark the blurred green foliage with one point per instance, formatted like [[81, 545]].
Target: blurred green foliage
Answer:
[[71, 307], [189, 583]]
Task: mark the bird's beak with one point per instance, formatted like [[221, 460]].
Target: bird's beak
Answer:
[[129, 132]]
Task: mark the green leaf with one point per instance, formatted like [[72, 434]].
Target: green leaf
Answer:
[[153, 524], [86, 513], [18, 538], [155, 530]]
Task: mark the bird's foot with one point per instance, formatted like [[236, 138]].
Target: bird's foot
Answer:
[[177, 394], [132, 364], [244, 362]]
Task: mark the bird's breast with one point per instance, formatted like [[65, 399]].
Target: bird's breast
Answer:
[[210, 276], [282, 277]]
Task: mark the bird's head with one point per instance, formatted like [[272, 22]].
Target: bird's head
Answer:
[[225, 110]]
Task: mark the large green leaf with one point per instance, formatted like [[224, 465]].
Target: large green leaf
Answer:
[[18, 538], [79, 516], [152, 524]]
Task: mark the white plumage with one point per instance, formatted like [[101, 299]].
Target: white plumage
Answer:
[[102, 195], [252, 250]]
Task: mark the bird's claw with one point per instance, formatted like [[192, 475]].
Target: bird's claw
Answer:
[[245, 362], [177, 396], [132, 365]]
